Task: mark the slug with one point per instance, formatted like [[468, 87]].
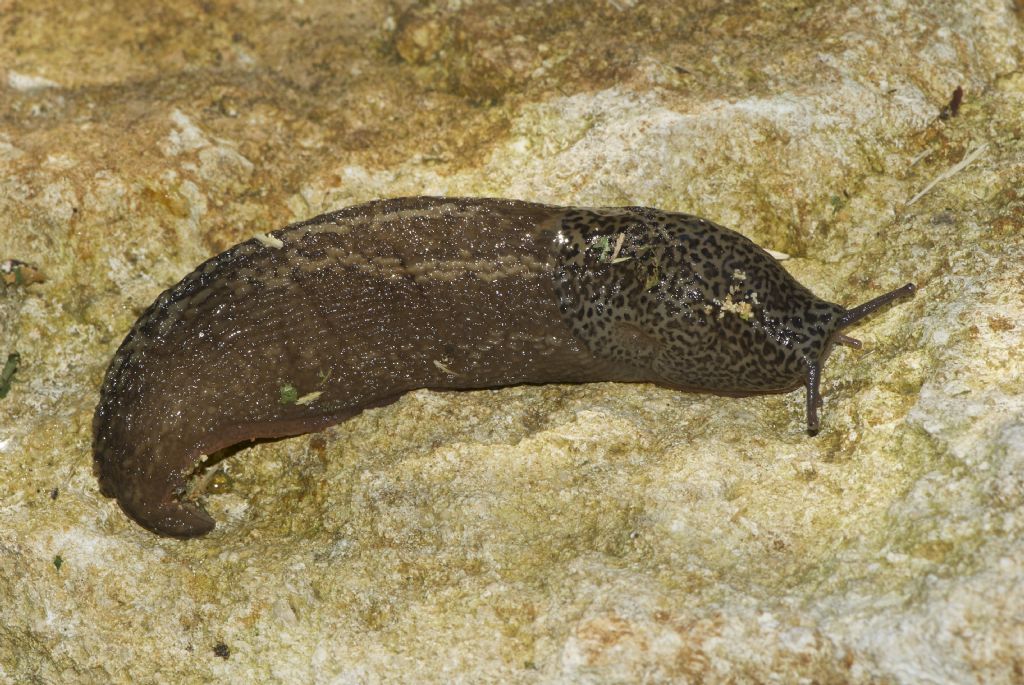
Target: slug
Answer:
[[293, 331]]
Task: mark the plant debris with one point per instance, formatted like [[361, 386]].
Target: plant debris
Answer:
[[289, 394], [18, 273], [968, 157], [309, 398], [268, 240], [7, 374], [953, 107]]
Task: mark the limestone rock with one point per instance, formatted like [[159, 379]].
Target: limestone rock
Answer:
[[603, 533]]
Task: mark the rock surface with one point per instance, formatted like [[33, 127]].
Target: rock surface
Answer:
[[603, 533]]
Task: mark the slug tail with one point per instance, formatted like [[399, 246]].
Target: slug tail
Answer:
[[142, 456], [170, 517], [148, 486]]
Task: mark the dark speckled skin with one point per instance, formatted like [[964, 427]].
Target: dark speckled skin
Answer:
[[689, 304], [351, 309]]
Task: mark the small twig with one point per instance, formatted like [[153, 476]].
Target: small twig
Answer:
[[969, 157], [920, 156], [202, 481]]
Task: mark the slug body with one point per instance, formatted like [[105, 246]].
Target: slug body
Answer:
[[295, 331]]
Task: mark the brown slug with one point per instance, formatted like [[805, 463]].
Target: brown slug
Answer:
[[293, 331]]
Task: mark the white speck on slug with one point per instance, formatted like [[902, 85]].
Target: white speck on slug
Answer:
[[440, 365], [268, 240], [309, 398]]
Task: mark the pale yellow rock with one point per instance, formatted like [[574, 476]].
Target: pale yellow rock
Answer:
[[604, 533]]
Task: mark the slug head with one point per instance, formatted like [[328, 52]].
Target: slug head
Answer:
[[679, 301], [847, 319]]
